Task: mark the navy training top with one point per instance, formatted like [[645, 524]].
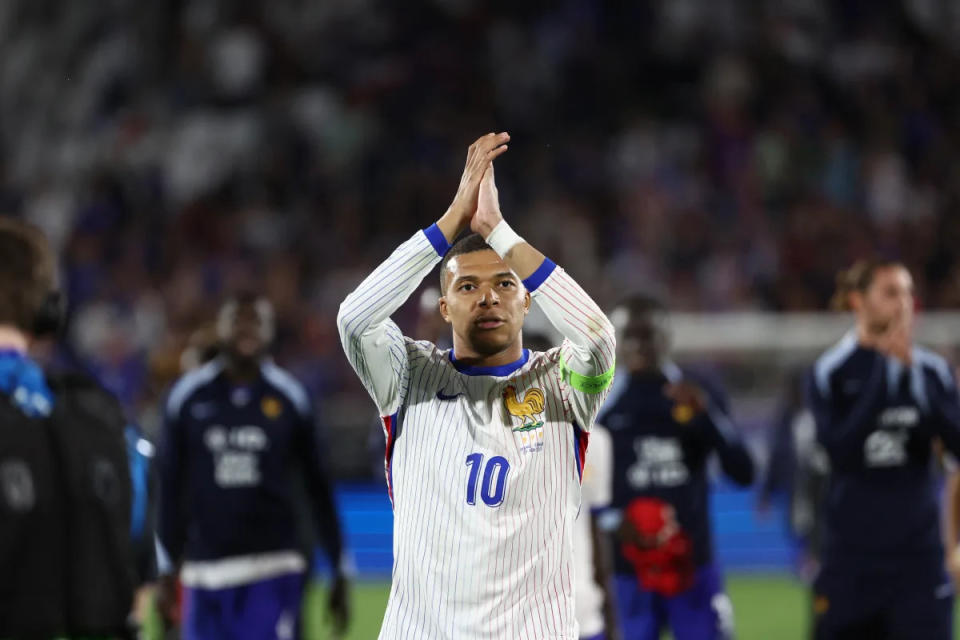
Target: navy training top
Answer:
[[226, 461], [659, 454], [876, 418]]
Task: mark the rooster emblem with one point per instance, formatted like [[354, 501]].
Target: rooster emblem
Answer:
[[525, 409]]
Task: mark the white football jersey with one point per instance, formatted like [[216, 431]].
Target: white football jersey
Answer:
[[483, 463], [596, 492]]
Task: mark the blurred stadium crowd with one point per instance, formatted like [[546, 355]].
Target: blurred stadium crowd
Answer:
[[176, 151]]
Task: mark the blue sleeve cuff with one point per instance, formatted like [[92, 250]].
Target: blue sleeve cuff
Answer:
[[437, 239], [537, 278]]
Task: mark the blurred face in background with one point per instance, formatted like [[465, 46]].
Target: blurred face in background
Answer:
[[641, 338], [245, 329], [888, 300]]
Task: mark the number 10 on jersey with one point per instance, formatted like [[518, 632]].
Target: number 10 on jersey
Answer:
[[494, 482]]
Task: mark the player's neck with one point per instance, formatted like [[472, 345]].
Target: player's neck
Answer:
[[866, 337], [12, 339], [467, 356], [242, 370]]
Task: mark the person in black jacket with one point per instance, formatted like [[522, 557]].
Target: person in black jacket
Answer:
[[879, 403], [66, 558]]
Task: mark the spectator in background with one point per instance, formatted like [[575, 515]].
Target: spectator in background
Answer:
[[237, 430]]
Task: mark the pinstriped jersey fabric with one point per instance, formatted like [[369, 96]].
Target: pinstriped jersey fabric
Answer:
[[483, 464]]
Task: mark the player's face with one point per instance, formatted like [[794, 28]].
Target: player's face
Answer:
[[485, 302], [642, 339], [888, 299], [245, 334]]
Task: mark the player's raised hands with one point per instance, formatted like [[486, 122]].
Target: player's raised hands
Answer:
[[480, 155], [488, 206]]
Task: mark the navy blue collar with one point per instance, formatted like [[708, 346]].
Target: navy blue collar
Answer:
[[499, 370]]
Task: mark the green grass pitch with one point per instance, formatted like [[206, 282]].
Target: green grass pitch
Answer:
[[766, 607]]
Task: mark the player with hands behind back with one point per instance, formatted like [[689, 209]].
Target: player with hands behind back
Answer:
[[239, 432]]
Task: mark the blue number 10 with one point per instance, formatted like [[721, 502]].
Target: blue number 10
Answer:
[[491, 492]]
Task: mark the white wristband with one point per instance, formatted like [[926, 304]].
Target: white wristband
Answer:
[[502, 239]]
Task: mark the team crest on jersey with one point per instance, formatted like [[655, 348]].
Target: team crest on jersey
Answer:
[[527, 408], [271, 407], [682, 413]]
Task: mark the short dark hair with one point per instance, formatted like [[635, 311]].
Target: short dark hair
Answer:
[[467, 244], [26, 273]]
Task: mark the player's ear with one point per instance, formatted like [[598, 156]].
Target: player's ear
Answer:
[[442, 302], [526, 302]]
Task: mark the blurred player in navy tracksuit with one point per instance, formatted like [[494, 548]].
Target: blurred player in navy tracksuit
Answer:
[[665, 425], [879, 402], [237, 431]]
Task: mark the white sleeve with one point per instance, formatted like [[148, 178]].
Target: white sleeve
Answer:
[[598, 476], [373, 343], [589, 345]]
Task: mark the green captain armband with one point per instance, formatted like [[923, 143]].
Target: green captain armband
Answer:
[[586, 384]]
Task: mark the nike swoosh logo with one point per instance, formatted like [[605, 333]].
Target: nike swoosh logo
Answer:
[[442, 396]]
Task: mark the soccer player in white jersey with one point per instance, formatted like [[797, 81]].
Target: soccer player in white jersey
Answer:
[[591, 556], [485, 441]]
